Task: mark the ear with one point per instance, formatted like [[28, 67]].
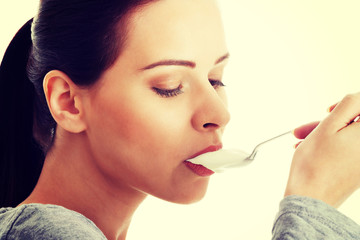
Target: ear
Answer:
[[64, 100]]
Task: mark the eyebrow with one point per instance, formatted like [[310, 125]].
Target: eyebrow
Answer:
[[185, 63]]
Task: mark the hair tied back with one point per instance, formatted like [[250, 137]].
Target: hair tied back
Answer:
[[20, 156]]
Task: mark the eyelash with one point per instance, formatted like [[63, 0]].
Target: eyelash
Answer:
[[176, 91], [168, 92], [216, 83]]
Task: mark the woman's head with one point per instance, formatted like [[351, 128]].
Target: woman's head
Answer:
[[161, 102], [137, 82]]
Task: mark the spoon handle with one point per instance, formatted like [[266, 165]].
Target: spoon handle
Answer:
[[256, 149]]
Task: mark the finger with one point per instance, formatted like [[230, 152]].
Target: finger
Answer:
[[354, 123], [304, 130], [352, 131], [344, 113], [332, 107], [296, 145]]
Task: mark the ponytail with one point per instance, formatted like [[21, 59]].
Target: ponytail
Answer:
[[21, 158]]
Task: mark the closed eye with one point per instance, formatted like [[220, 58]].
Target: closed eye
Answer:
[[168, 92]]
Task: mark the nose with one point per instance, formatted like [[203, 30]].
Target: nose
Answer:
[[211, 112]]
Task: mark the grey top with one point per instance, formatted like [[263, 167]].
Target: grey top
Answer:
[[307, 218], [298, 218], [43, 221]]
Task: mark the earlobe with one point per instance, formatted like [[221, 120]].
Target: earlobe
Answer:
[[64, 101]]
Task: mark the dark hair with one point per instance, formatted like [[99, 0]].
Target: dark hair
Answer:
[[81, 38]]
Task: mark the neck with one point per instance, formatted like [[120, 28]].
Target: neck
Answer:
[[70, 179]]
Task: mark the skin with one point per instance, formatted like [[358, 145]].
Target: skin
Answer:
[[119, 140]]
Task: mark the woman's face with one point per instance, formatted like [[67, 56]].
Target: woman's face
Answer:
[[162, 101]]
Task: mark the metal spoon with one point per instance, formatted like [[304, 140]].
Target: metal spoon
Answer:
[[256, 149]]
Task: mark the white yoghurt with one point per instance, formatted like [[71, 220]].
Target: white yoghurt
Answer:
[[222, 159]]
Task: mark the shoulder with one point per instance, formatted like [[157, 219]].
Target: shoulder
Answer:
[[41, 221]]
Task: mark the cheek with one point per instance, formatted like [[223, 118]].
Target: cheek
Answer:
[[139, 135], [141, 124]]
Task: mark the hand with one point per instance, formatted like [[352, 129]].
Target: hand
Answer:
[[326, 165]]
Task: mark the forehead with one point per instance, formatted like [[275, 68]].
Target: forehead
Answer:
[[176, 28]]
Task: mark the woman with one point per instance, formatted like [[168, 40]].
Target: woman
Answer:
[[116, 96]]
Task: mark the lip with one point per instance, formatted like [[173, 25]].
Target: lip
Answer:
[[211, 148], [200, 169]]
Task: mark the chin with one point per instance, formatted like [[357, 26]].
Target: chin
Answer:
[[189, 196], [192, 200]]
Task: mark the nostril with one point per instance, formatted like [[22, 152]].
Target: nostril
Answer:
[[210, 125]]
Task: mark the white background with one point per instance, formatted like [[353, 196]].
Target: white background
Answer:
[[290, 60]]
